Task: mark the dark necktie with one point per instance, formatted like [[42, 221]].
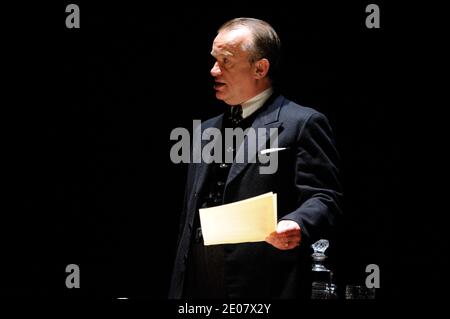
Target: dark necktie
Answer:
[[236, 114]]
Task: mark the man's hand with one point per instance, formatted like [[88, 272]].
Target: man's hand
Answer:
[[287, 236]]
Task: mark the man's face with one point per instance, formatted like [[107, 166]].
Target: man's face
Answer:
[[233, 73]]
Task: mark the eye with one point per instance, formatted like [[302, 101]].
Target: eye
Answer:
[[225, 61]]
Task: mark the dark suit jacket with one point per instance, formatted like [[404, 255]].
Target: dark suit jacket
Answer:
[[308, 191]]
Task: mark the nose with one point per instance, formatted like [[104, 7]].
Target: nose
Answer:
[[215, 71]]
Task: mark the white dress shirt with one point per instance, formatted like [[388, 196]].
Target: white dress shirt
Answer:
[[250, 106]]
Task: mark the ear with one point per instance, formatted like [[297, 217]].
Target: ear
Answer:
[[261, 68]]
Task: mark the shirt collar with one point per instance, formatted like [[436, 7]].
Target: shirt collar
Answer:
[[250, 106]]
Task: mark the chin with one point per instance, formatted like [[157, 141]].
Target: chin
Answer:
[[220, 96]]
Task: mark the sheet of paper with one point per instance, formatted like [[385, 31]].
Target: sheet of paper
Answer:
[[249, 220]]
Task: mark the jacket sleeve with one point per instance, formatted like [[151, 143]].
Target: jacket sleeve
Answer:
[[318, 190]]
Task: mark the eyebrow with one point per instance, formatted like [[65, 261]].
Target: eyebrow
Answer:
[[225, 53]]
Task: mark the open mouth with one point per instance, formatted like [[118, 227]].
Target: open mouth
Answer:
[[218, 85]]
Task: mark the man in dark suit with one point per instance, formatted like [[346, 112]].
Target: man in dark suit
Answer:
[[306, 179]]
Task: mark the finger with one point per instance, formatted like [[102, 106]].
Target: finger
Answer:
[[271, 237], [282, 245], [285, 243], [278, 242], [288, 245], [274, 233], [288, 231], [270, 240], [290, 242], [294, 237], [288, 236]]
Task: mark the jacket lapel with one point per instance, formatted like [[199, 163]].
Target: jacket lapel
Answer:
[[268, 119]]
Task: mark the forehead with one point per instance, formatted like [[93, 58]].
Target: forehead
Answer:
[[230, 42]]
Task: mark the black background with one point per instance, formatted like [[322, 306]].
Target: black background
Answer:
[[91, 111]]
